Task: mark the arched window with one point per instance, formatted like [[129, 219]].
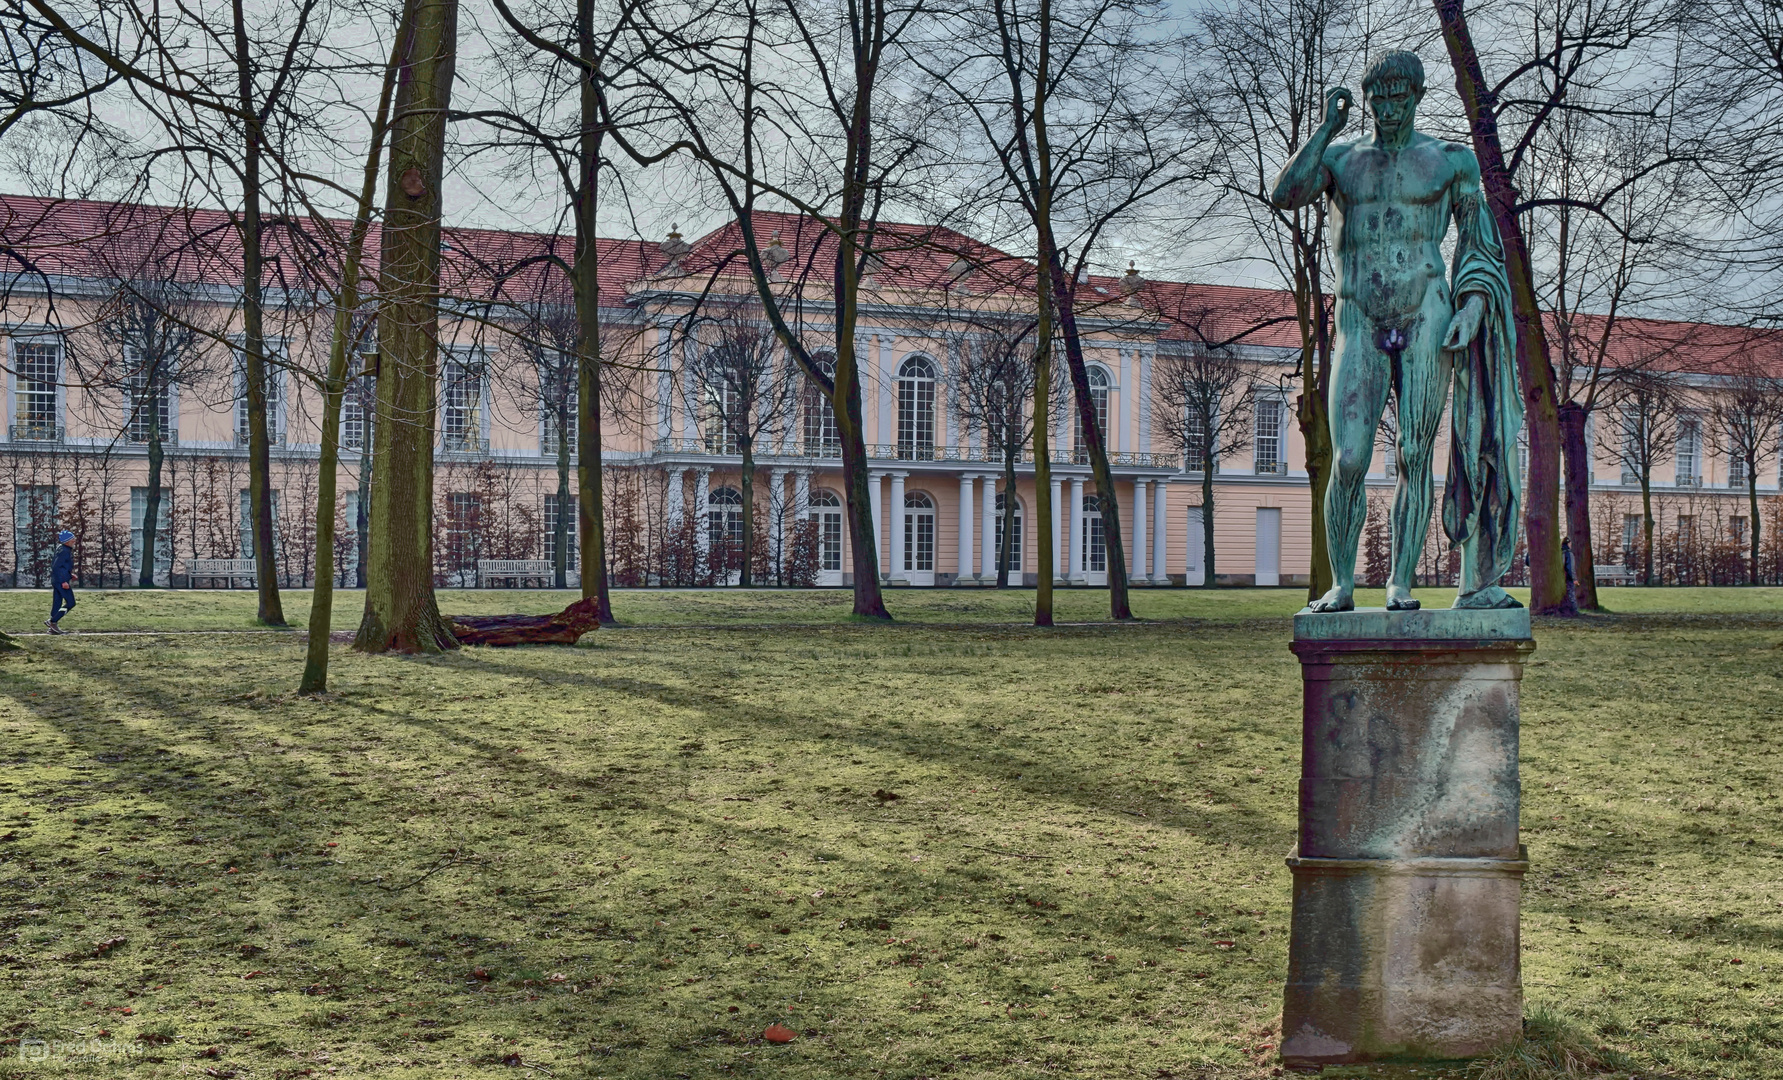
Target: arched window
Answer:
[[919, 533], [1099, 385], [821, 437], [724, 518], [826, 514], [1015, 536], [916, 409], [1095, 542]]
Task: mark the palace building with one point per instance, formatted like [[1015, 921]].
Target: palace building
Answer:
[[82, 410]]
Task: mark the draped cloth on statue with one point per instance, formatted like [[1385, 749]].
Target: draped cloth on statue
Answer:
[[1482, 494]]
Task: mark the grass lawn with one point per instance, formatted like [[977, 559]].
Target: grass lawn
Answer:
[[949, 847]]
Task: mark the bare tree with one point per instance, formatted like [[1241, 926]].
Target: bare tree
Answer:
[[992, 347], [1645, 399], [745, 393], [1204, 401], [151, 336], [1266, 66], [401, 612], [1746, 417], [545, 384], [1072, 102]]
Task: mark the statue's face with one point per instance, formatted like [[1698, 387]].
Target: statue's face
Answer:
[[1394, 104]]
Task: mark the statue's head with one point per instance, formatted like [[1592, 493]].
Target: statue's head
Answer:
[[1393, 85]]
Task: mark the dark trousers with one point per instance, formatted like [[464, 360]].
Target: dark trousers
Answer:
[[61, 602]]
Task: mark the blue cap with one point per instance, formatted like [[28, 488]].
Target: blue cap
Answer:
[[64, 536]]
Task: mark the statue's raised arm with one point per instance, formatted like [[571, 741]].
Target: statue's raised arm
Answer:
[[1305, 177]]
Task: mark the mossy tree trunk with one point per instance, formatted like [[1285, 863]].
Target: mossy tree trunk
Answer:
[[401, 612]]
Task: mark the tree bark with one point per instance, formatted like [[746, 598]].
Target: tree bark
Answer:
[[1647, 529], [560, 528], [254, 369], [1541, 496], [591, 519], [745, 576], [1313, 415], [1207, 520], [1043, 530], [1578, 504], [563, 628], [1752, 499], [1107, 502], [401, 613], [151, 512], [1007, 547]]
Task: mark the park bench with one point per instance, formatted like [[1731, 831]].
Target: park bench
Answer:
[[1615, 575], [515, 570], [212, 569]]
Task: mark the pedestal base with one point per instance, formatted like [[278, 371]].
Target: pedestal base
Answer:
[[1408, 874]]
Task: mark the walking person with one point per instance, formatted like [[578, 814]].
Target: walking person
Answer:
[[61, 582], [1566, 562]]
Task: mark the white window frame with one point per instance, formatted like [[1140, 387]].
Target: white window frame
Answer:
[[275, 383], [476, 361], [171, 429], [12, 381], [1273, 407]]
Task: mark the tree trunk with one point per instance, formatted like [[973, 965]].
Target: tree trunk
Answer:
[[1043, 530], [591, 521], [1007, 547], [563, 628], [1541, 497], [151, 511], [1313, 414], [315, 667], [845, 403], [1752, 500], [560, 528], [1647, 529], [401, 613], [1578, 504], [271, 610], [362, 515], [1107, 502], [1207, 520], [745, 577]]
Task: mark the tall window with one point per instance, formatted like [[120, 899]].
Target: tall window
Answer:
[[1736, 467], [145, 410], [1099, 383], [139, 512], [724, 418], [1389, 443], [357, 407], [557, 384], [724, 518], [821, 437], [919, 533], [826, 512], [568, 508], [39, 367], [916, 409], [1015, 536], [461, 405], [1631, 540], [275, 405], [464, 521], [1266, 446], [34, 523], [247, 524], [1689, 456], [1195, 432], [1095, 542], [1634, 430]]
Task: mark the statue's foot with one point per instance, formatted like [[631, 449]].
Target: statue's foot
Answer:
[[1488, 598], [1338, 599], [1399, 598]]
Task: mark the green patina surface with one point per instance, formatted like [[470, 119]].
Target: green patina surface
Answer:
[[1430, 624], [1081, 872]]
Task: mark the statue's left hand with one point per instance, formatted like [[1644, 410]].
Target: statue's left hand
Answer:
[[1465, 326]]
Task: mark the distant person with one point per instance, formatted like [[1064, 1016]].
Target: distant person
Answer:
[[1566, 559], [61, 582]]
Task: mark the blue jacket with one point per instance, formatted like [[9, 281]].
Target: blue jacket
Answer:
[[64, 566]]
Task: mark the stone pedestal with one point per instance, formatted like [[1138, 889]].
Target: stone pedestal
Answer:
[[1408, 873]]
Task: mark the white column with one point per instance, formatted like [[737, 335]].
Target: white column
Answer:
[[702, 490], [897, 527], [664, 382], [690, 422], [776, 518], [1145, 401], [677, 496], [1142, 570], [966, 480], [1127, 399], [1159, 510], [1077, 538], [1058, 535], [886, 374], [875, 490], [989, 538], [801, 494]]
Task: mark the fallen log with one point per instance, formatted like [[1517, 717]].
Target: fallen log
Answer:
[[563, 628]]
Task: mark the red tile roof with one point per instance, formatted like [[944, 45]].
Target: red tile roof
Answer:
[[101, 239]]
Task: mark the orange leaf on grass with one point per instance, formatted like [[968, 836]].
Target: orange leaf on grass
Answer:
[[779, 1033]]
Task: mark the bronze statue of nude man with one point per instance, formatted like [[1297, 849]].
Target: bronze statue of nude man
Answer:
[[1401, 325]]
